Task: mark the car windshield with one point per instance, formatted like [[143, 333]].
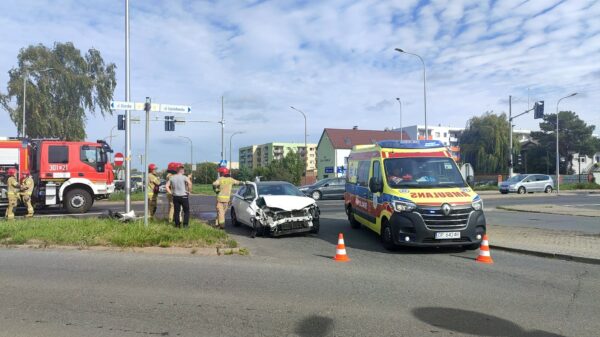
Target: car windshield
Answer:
[[279, 189], [422, 173], [516, 179]]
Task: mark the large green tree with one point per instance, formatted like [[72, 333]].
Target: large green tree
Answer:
[[485, 142], [62, 87], [289, 169], [575, 136]]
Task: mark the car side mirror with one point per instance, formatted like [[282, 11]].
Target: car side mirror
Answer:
[[375, 185]]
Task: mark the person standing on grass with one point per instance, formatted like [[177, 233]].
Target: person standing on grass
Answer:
[[180, 186]]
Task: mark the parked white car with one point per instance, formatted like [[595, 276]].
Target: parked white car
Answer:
[[274, 208]]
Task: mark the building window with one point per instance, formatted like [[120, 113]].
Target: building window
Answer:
[[437, 134], [445, 134]]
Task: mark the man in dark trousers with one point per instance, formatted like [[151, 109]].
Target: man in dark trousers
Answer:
[[180, 186]]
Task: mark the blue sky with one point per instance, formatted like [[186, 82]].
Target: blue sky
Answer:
[[333, 59]]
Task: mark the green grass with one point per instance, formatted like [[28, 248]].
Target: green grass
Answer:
[[486, 188], [109, 232], [203, 189], [120, 196], [580, 186]]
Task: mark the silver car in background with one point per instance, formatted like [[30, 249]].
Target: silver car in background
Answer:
[[527, 183]]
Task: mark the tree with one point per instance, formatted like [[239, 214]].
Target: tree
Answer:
[[244, 174], [62, 85], [575, 137], [289, 169], [484, 143]]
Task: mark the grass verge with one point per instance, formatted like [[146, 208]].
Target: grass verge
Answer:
[[203, 189], [580, 186], [486, 188], [109, 232], [120, 196]]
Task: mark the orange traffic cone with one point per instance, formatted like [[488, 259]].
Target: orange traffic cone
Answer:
[[340, 252], [484, 251]]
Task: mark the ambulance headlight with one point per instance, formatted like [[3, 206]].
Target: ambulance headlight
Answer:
[[477, 205], [403, 206]]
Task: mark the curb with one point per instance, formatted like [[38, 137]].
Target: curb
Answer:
[[565, 257], [153, 250]]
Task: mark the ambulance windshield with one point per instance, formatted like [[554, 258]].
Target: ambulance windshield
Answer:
[[422, 172]]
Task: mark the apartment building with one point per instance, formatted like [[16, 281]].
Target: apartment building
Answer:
[[254, 156]]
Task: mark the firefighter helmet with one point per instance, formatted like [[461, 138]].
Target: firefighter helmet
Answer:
[[151, 167], [223, 170], [11, 171]]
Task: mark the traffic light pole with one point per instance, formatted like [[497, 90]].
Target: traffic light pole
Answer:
[[510, 137], [146, 178], [127, 116]]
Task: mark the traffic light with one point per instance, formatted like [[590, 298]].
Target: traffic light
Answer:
[[121, 122], [169, 123], [520, 159], [538, 110]]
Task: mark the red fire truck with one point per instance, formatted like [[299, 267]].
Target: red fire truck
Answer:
[[71, 174]]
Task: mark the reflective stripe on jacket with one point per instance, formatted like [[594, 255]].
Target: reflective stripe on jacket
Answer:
[[224, 185]]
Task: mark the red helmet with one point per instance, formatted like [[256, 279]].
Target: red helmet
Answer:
[[223, 170], [11, 171], [174, 166], [151, 167], [25, 172]]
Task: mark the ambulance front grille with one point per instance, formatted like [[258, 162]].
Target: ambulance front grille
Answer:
[[435, 219]]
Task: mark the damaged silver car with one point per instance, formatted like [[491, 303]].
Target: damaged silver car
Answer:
[[274, 208]]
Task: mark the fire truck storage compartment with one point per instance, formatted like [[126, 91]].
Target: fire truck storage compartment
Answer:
[[9, 157], [51, 193]]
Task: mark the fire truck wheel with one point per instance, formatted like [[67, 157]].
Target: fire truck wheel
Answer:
[[78, 201]]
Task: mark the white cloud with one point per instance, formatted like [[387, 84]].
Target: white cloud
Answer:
[[332, 59]]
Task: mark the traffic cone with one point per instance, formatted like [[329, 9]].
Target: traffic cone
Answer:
[[340, 252], [484, 251]]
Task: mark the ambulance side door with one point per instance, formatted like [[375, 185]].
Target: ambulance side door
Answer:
[[374, 202]]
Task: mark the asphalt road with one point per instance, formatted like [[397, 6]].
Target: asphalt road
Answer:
[[289, 286]]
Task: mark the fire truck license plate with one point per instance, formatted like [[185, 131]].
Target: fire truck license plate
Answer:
[[447, 235]]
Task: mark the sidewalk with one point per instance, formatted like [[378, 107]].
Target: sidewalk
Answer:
[[550, 243], [552, 209], [496, 192]]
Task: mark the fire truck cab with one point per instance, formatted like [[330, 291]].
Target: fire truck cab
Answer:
[[69, 174]]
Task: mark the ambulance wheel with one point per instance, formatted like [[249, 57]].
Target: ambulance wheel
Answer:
[[234, 220], [78, 201], [353, 222], [387, 238]]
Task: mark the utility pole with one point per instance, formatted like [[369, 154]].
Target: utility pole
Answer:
[[510, 138], [127, 116], [222, 128], [400, 103], [231, 147], [147, 107]]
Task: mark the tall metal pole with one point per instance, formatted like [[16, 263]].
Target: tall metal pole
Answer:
[[305, 143], [510, 138], [557, 151], [146, 179], [222, 128], [127, 118], [24, 102], [424, 88], [401, 129], [191, 150]]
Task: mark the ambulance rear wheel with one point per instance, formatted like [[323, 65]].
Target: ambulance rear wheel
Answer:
[[78, 201]]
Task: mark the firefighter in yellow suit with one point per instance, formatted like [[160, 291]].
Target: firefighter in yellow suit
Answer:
[[13, 193], [27, 186], [223, 186], [153, 184]]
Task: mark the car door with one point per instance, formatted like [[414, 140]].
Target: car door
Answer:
[[338, 187], [540, 182], [529, 183], [247, 204], [327, 188]]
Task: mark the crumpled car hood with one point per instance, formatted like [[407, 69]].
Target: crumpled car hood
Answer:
[[287, 202]]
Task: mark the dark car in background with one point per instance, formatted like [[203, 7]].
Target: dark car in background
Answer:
[[330, 188]]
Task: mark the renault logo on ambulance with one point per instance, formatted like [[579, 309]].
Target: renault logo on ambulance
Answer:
[[412, 193], [446, 209]]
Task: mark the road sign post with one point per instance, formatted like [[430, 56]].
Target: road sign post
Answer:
[[147, 108]]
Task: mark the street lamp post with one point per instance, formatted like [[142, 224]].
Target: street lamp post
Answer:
[[305, 143], [230, 146], [424, 88], [191, 150], [400, 103], [557, 152], [25, 76]]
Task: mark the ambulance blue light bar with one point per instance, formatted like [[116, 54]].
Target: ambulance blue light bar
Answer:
[[410, 144]]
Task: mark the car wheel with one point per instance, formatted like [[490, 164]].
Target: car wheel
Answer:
[[521, 190], [316, 226], [78, 201], [353, 222], [234, 220], [316, 195], [387, 238], [548, 189]]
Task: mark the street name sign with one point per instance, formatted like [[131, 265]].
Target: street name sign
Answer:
[[122, 105], [185, 109]]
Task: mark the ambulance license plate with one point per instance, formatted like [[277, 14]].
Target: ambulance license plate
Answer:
[[447, 235]]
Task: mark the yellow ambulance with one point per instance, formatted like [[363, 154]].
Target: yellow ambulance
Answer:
[[412, 193]]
